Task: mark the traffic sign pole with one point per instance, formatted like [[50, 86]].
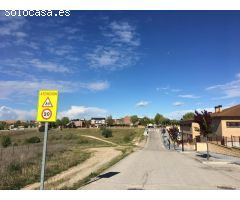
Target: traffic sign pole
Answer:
[[44, 156], [47, 112]]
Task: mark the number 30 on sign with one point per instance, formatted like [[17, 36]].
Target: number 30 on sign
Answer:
[[47, 106]]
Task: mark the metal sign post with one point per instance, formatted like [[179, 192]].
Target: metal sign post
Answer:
[[47, 112], [44, 156]]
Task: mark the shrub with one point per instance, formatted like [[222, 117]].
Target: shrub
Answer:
[[70, 136], [41, 129], [126, 138], [14, 167], [6, 141], [82, 141], [32, 140], [106, 133]]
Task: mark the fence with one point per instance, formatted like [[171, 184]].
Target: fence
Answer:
[[233, 141]]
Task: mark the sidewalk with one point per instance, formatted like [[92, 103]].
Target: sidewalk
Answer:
[[220, 157], [201, 156]]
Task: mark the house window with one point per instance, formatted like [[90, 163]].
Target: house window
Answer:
[[233, 124]]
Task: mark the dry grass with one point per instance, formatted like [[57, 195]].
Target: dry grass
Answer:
[[20, 165]]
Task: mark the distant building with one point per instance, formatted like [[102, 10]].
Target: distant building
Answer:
[[118, 121], [77, 123], [98, 122], [127, 120]]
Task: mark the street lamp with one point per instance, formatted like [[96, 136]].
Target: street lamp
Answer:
[[182, 134]]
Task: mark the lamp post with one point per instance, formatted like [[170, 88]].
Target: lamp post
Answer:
[[182, 135]]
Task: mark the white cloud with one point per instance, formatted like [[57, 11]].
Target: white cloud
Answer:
[[49, 66], [118, 49], [142, 104], [30, 88], [82, 112], [111, 58], [7, 113], [105, 58], [60, 50], [178, 103], [123, 32], [167, 88], [176, 90], [163, 88], [189, 96], [228, 90], [11, 26], [33, 45], [96, 86]]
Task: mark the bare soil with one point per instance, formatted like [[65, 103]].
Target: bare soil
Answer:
[[101, 156]]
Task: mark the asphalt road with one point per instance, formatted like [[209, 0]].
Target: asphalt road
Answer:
[[155, 167]]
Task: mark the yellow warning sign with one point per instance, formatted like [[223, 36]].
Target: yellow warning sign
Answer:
[[47, 106]]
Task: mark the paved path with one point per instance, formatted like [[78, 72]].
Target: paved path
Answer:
[[154, 167]]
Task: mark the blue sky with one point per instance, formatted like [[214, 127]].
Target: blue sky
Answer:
[[120, 62]]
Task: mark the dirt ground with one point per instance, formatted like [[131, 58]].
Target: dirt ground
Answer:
[[101, 156], [96, 138]]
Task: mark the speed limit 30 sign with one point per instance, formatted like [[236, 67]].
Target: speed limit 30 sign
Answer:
[[46, 114], [47, 106]]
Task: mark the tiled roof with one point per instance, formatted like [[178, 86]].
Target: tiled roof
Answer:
[[229, 112]]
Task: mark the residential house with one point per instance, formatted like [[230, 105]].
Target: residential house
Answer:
[[77, 123], [226, 123], [118, 121], [189, 128], [127, 120], [98, 122]]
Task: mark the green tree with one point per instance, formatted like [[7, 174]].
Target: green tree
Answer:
[[188, 116], [25, 124], [174, 122], [110, 120], [158, 119], [106, 132], [17, 123], [166, 122], [3, 125], [134, 119], [145, 121], [58, 123], [65, 121]]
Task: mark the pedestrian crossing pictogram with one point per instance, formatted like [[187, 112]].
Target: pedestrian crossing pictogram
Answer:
[[47, 103]]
